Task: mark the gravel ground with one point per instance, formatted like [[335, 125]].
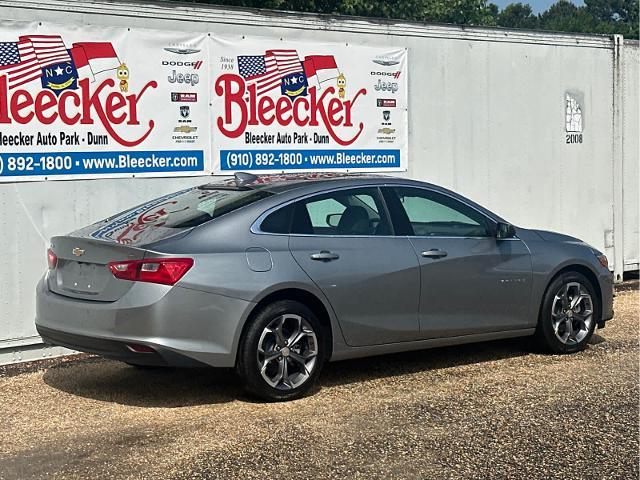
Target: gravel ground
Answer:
[[493, 410]]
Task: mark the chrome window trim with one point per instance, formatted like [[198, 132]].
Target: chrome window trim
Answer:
[[255, 226]]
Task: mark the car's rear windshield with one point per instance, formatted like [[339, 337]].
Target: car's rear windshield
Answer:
[[165, 216], [198, 206]]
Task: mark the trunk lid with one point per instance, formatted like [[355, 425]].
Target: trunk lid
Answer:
[[82, 271]]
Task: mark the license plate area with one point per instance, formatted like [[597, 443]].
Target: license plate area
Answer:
[[86, 278]]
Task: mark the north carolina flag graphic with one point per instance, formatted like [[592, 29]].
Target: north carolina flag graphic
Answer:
[[81, 62], [320, 67], [98, 56]]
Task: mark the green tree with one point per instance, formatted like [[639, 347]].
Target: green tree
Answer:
[[625, 11], [596, 16], [518, 15], [565, 16], [476, 12], [615, 16]]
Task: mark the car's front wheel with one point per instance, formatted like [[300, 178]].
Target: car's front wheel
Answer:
[[282, 351], [568, 315]]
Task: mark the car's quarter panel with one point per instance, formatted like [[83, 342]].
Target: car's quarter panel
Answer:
[[482, 285], [373, 286], [230, 261]]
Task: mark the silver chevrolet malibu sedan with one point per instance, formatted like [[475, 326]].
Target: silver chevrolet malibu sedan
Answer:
[[276, 275]]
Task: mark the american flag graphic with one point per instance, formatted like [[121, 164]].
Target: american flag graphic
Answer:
[[19, 63], [50, 49], [23, 61], [267, 70]]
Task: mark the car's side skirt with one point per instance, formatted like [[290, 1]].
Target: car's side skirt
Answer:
[[368, 351]]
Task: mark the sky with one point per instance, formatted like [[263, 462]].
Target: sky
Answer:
[[537, 5]]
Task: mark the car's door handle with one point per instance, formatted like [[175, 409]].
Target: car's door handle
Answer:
[[434, 253], [324, 256]]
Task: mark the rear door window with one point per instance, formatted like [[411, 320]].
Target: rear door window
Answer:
[[357, 211]]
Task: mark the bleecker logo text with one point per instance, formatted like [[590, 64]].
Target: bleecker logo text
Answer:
[[75, 107], [243, 107]]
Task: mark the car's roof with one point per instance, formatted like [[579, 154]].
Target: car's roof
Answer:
[[280, 183], [288, 186]]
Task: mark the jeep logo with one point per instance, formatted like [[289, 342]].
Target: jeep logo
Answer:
[[386, 86], [188, 78]]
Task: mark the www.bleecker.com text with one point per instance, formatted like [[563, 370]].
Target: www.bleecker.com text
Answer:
[[49, 139]]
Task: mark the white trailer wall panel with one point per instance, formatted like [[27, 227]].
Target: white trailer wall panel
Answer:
[[486, 118], [487, 121], [631, 153]]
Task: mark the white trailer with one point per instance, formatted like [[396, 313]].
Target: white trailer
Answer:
[[540, 127]]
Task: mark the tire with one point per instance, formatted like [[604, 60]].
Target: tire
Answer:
[[278, 367], [562, 329]]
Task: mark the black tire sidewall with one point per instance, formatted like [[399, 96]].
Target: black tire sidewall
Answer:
[[247, 366], [545, 331]]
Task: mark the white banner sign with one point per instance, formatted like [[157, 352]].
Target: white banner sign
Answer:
[[83, 102], [86, 102], [308, 106]]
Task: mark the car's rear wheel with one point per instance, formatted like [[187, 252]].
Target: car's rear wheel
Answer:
[[569, 314], [282, 351]]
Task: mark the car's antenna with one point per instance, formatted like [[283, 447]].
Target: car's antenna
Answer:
[[243, 178]]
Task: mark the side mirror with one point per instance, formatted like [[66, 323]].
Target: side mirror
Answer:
[[505, 230], [333, 219]]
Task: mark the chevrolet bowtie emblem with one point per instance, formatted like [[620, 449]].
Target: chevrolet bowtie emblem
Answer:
[[78, 252]]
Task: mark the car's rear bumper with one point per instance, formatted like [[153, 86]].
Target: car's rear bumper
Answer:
[[182, 326], [116, 349]]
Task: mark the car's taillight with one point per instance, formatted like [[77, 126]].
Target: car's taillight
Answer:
[[166, 271], [52, 259]]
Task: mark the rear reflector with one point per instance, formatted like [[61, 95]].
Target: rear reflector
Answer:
[[52, 259], [166, 271], [136, 347], [603, 260]]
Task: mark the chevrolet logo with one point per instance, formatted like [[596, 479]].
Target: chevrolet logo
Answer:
[[78, 252], [185, 129]]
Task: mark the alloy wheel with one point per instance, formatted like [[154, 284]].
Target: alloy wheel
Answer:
[[572, 313], [287, 352]]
